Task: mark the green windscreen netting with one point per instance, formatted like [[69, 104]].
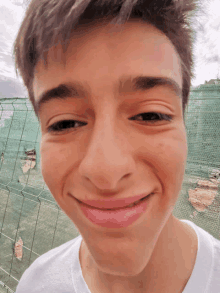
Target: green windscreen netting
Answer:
[[31, 223]]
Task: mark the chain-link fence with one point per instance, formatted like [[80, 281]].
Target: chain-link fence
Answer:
[[31, 223], [199, 200]]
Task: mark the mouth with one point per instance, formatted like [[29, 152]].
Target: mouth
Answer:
[[116, 208], [123, 212], [131, 205]]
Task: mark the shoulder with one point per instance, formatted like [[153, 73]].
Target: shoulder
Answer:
[[51, 268], [204, 235], [56, 253], [206, 272], [205, 240]]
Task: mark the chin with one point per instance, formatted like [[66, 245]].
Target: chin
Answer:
[[126, 268]]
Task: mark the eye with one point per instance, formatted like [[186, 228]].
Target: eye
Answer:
[[65, 125], [152, 117]]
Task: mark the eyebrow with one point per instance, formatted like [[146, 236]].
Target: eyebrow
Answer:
[[126, 84]]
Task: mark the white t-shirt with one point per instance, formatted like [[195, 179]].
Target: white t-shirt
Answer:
[[59, 269]]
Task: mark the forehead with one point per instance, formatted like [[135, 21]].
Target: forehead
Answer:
[[103, 53]]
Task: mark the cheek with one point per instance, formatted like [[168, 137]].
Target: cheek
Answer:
[[176, 157], [173, 170], [169, 171], [166, 153], [54, 161], [173, 156], [167, 157]]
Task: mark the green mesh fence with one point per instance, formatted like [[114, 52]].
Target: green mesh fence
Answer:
[[31, 223], [199, 200]]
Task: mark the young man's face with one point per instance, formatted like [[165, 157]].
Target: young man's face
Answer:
[[108, 156]]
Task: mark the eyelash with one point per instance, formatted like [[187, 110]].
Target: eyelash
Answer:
[[56, 126]]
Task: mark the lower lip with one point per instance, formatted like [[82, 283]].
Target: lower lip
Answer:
[[119, 218]]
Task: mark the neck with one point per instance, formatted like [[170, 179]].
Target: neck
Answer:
[[173, 258], [168, 269]]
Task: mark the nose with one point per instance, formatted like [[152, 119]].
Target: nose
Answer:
[[108, 159]]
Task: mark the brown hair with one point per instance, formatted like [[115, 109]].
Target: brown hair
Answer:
[[48, 22]]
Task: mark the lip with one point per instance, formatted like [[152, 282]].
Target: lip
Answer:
[[116, 218], [112, 203]]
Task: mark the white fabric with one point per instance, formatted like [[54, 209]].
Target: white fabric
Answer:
[[59, 270], [205, 277]]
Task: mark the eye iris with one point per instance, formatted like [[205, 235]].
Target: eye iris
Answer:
[[68, 123], [65, 124], [152, 117], [148, 116]]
